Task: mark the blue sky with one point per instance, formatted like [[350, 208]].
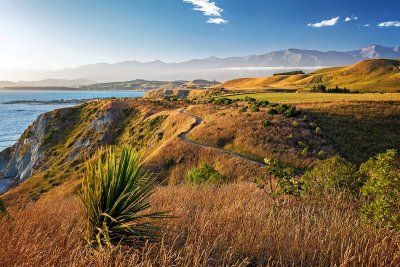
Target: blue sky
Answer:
[[67, 33]]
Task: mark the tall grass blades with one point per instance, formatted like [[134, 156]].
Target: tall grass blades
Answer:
[[115, 196]]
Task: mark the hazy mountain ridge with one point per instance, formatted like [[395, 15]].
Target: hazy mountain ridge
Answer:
[[213, 68], [47, 83]]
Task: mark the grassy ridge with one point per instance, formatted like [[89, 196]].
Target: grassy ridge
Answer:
[[318, 97], [375, 75]]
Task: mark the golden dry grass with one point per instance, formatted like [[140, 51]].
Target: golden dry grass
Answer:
[[373, 75], [234, 225], [245, 134]]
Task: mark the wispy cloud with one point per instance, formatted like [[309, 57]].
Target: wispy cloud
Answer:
[[348, 19], [209, 9], [217, 21], [389, 24], [324, 23], [367, 25]]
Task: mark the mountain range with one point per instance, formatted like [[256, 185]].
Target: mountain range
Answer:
[[212, 68]]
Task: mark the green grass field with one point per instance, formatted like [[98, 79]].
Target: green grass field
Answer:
[[318, 97]]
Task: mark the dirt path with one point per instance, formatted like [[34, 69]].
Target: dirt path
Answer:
[[198, 121]]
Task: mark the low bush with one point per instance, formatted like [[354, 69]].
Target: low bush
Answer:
[[223, 101], [382, 189], [205, 174], [249, 99], [267, 123], [286, 181], [242, 109], [272, 111], [168, 163], [2, 208], [331, 175], [254, 108]]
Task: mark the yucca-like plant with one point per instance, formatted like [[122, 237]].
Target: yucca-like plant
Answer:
[[115, 196]]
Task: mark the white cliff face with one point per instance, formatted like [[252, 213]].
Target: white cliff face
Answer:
[[27, 152]]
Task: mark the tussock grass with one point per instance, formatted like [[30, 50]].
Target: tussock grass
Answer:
[[233, 225]]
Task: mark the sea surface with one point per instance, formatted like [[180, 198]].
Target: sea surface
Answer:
[[15, 118]]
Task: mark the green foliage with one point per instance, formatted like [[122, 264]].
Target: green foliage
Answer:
[[254, 108], [318, 131], [318, 88], [286, 182], [249, 99], [296, 72], [223, 101], [305, 147], [382, 189], [3, 209], [281, 108], [264, 103], [115, 195], [168, 163], [205, 174], [331, 175], [267, 123], [242, 109], [272, 111]]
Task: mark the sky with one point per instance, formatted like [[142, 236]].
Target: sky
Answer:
[[53, 34]]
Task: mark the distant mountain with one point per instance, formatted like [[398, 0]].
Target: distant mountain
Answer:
[[372, 75], [214, 68], [46, 83]]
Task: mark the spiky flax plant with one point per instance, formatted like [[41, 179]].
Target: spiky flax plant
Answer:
[[115, 195]]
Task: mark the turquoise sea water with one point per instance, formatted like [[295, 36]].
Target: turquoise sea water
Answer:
[[15, 118]]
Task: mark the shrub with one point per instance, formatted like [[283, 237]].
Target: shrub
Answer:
[[205, 174], [382, 189], [168, 163], [249, 99], [281, 108], [331, 175], [273, 111], [287, 184], [115, 196], [264, 103], [291, 112], [242, 109], [267, 123], [318, 131], [223, 101], [254, 108], [318, 88], [2, 209]]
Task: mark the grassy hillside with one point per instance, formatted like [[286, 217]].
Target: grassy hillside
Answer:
[[68, 136], [233, 225], [375, 75], [211, 225]]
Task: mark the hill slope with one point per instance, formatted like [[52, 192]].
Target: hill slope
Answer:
[[368, 75]]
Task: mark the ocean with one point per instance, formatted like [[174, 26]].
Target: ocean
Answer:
[[15, 118]]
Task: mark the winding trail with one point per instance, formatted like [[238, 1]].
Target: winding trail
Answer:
[[197, 122]]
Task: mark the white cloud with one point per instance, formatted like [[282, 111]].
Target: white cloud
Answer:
[[324, 23], [367, 25], [389, 24], [350, 19], [217, 21], [209, 9]]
